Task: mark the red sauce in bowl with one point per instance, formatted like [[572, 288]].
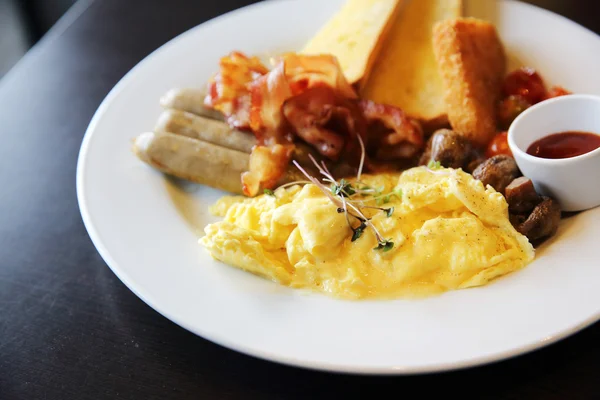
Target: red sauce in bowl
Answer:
[[564, 145]]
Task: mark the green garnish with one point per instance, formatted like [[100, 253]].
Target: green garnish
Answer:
[[383, 199], [269, 192], [385, 245], [343, 189], [357, 232], [343, 195], [434, 165]]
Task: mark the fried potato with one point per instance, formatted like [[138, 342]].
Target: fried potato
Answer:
[[472, 62]]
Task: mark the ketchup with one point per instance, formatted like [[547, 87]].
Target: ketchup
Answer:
[[564, 145]]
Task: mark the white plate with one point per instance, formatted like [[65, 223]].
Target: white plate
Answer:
[[146, 228]]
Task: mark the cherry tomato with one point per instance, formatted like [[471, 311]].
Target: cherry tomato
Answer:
[[527, 83], [498, 145], [510, 108], [556, 91]]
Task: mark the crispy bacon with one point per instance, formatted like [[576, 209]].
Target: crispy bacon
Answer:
[[250, 96], [292, 75], [307, 96], [324, 118], [308, 71], [227, 90], [267, 95], [391, 133]]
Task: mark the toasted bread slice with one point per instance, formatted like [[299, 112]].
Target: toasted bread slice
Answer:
[[472, 62], [354, 35], [405, 73]]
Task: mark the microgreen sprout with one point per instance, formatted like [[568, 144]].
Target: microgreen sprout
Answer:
[[434, 164], [357, 232], [343, 188], [294, 183], [385, 245], [269, 192], [363, 153], [383, 198], [340, 194]]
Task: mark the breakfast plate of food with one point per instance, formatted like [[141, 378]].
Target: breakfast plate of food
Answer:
[[366, 186]]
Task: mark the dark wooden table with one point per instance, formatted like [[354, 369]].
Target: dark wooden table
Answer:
[[69, 329]]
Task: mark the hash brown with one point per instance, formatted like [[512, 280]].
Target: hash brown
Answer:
[[472, 62]]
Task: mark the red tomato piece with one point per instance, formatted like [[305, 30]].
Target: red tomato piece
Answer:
[[525, 82], [498, 145], [556, 91], [510, 108]]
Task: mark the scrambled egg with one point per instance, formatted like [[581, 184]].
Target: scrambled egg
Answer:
[[449, 232]]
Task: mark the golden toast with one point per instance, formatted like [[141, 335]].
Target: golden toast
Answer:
[[405, 73], [354, 35]]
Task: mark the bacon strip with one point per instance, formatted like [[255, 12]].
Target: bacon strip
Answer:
[[227, 90], [308, 71], [307, 96], [267, 95], [293, 75], [325, 119], [393, 134]]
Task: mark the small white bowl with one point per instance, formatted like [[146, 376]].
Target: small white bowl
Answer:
[[574, 182]]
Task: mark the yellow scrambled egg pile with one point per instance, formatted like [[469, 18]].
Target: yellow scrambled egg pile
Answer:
[[449, 232]]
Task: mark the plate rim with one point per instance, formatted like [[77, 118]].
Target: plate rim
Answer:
[[248, 350]]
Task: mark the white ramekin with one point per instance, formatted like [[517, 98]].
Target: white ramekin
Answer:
[[574, 182]]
